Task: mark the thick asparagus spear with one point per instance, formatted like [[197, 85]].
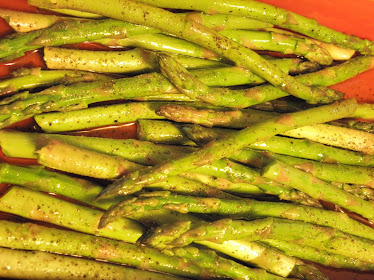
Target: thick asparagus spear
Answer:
[[229, 145], [210, 72], [37, 206], [317, 189], [246, 209], [58, 155], [274, 15], [26, 22], [302, 233], [192, 31], [20, 264], [28, 236]]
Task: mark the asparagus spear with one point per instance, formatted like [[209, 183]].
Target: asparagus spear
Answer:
[[192, 31], [229, 145], [348, 138], [26, 22], [245, 209], [20, 264], [211, 72], [210, 260], [306, 234], [196, 89], [301, 148], [255, 40], [58, 155], [317, 189], [41, 179], [37, 206], [272, 14], [319, 256], [28, 236], [98, 116], [31, 78]]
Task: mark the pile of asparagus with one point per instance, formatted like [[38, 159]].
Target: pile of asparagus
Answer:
[[237, 154]]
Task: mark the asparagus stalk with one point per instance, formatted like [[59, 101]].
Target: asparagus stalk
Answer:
[[37, 206], [41, 179], [363, 192], [32, 78], [196, 89], [210, 260], [212, 72], [28, 236], [302, 148], [246, 209], [98, 116], [194, 32], [223, 148], [306, 234], [274, 15], [317, 189], [333, 172], [58, 155], [20, 264], [255, 40], [26, 22], [348, 138], [286, 44], [319, 256]]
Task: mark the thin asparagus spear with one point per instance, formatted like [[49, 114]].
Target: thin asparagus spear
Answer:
[[164, 43], [210, 260], [192, 31], [20, 264], [359, 125], [317, 189], [245, 209], [364, 111], [286, 44], [40, 179], [363, 192], [338, 136], [37, 206], [306, 234], [255, 40], [31, 78], [26, 22], [333, 172], [229, 145], [272, 14], [28, 236], [318, 255], [221, 22], [98, 116], [196, 89], [302, 148]]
